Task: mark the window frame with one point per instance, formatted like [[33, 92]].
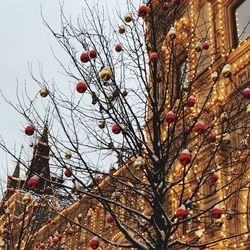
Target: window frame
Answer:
[[179, 77], [235, 39]]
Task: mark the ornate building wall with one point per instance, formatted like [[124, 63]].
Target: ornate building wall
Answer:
[[219, 19]]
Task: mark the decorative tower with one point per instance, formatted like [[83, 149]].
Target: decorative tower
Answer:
[[38, 174]]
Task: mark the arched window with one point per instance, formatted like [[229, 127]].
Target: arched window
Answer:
[[241, 21], [182, 76]]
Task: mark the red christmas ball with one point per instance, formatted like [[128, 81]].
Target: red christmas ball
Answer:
[[181, 213], [48, 188], [143, 11], [199, 128], [216, 212], [84, 57], [118, 48], [10, 177], [153, 57], [12, 190], [124, 92], [92, 53], [165, 6], [116, 129], [29, 130], [33, 182], [176, 2], [159, 78], [55, 239], [53, 222], [201, 242], [191, 101], [170, 117], [213, 177], [42, 246], [246, 92], [5, 230], [96, 179], [81, 87], [68, 172], [198, 47], [205, 45], [109, 218], [187, 130], [94, 242], [185, 157], [5, 206], [212, 137]]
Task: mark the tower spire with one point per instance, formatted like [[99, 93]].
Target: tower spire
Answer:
[[14, 180], [39, 170]]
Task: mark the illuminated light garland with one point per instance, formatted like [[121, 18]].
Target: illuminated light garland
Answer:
[[222, 28], [211, 33], [192, 47]]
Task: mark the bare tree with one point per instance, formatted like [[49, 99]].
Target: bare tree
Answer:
[[153, 98]]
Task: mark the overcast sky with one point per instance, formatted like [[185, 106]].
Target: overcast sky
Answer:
[[25, 39]]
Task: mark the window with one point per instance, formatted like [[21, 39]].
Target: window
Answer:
[[182, 76], [241, 21]]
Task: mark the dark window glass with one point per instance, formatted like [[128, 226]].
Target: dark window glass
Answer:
[[241, 22], [182, 76]]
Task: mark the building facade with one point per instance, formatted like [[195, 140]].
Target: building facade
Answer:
[[224, 26]]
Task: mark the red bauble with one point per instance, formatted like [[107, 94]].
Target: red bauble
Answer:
[[212, 137], [153, 57], [68, 172], [94, 242], [92, 53], [165, 6], [187, 130], [84, 57], [198, 47], [246, 92], [190, 101], [12, 190], [55, 239], [124, 92], [205, 45], [29, 130], [216, 212], [33, 182], [53, 222], [176, 2], [42, 246], [199, 128], [170, 117], [81, 87], [213, 177], [181, 213], [10, 177], [5, 206], [143, 11], [202, 242], [48, 188], [118, 48], [185, 157], [116, 129], [109, 218], [159, 78], [96, 179]]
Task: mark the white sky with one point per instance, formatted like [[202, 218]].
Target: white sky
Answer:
[[25, 39]]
